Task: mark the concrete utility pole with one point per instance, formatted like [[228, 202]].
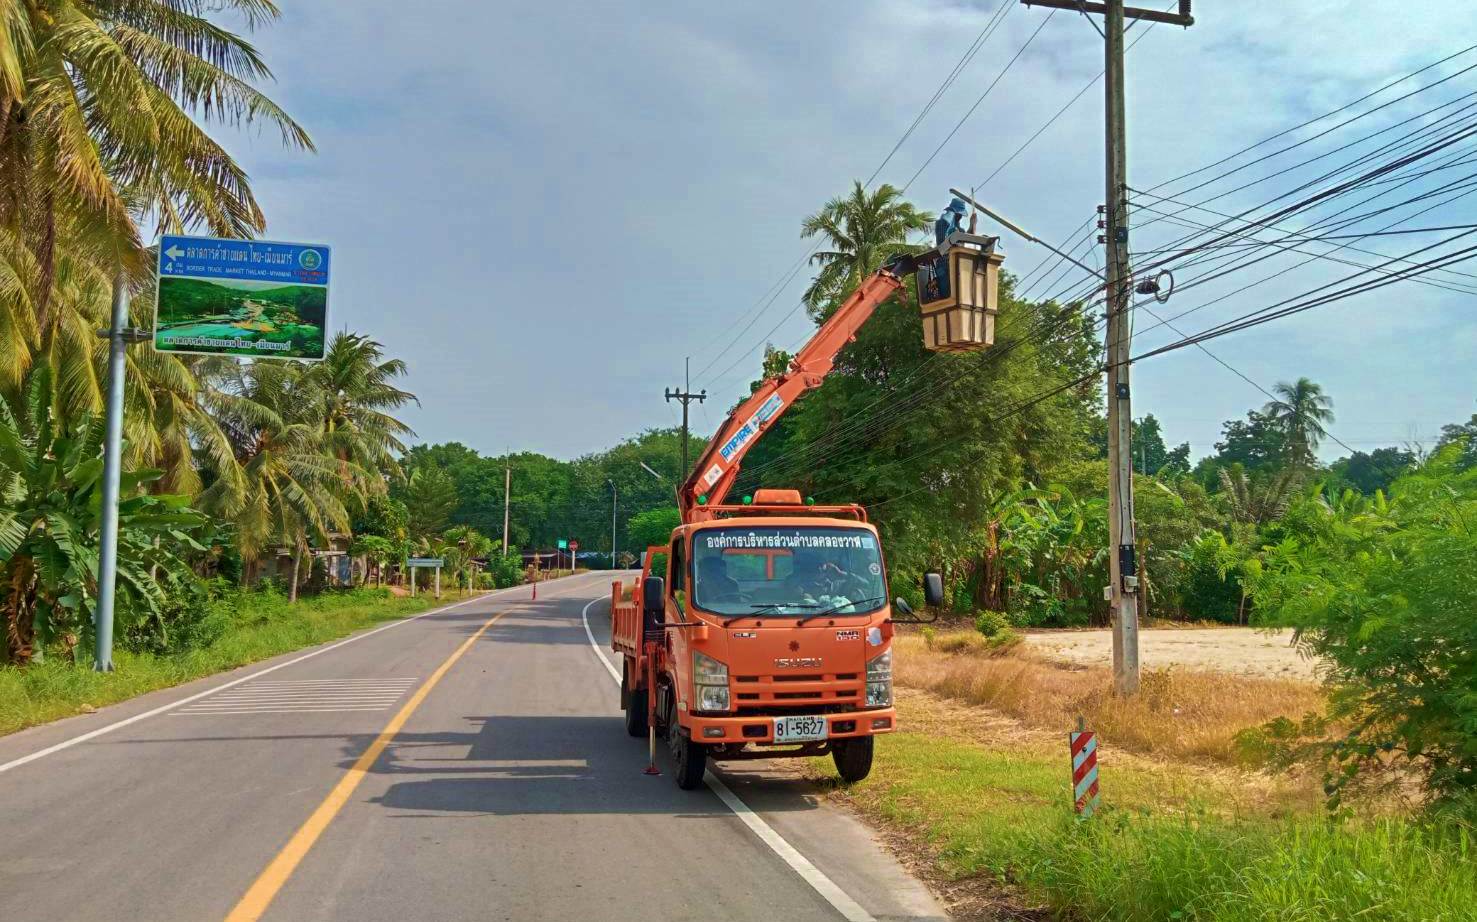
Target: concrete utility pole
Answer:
[[614, 496], [686, 396], [507, 492], [1123, 589]]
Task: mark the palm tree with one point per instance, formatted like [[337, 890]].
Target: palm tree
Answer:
[[863, 231], [1261, 500], [286, 489], [98, 109], [355, 381], [1301, 412], [431, 497], [103, 108]]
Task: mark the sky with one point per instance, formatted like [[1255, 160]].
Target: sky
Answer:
[[544, 208]]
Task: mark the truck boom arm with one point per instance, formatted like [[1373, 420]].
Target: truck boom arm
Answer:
[[718, 466]]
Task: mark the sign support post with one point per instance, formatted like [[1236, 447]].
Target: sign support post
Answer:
[[119, 335]]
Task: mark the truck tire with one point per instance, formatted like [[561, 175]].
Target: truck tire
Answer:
[[853, 758], [689, 759], [633, 702]]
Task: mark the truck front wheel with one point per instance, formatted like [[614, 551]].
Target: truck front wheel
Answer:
[[633, 702], [689, 759], [853, 758]]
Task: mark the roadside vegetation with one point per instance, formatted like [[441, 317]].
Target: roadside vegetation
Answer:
[[984, 811], [1179, 714], [226, 628], [245, 485]]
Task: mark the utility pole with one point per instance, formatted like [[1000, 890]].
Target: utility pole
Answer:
[[686, 396], [1123, 588], [119, 334], [614, 496], [507, 491]]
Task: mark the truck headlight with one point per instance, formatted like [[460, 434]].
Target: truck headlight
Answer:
[[712, 698], [879, 680], [711, 680]]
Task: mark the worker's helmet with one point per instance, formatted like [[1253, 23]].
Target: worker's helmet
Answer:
[[957, 206]]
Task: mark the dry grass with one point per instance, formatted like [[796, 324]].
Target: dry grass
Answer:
[[1179, 714]]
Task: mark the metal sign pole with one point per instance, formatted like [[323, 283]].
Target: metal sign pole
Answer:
[[107, 578]]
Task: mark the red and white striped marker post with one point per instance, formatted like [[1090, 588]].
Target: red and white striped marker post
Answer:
[[1084, 770]]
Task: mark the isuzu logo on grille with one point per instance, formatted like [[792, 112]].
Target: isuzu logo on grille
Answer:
[[799, 662]]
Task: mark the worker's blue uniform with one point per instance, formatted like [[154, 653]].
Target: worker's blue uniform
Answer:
[[947, 223]]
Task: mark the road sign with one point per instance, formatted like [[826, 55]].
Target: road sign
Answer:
[[563, 544], [574, 545], [256, 298], [426, 562], [1084, 770]]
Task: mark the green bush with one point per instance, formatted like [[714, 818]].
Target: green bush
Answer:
[[991, 623], [1384, 594], [190, 618]]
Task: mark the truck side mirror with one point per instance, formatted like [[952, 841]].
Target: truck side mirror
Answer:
[[653, 594], [933, 587], [653, 606]]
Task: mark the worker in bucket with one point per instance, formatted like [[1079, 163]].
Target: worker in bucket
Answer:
[[950, 221]]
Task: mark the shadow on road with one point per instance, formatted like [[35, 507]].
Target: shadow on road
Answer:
[[519, 765]]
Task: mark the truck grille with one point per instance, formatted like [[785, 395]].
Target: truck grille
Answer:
[[780, 693]]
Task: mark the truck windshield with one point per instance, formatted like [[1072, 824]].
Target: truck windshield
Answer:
[[783, 571]]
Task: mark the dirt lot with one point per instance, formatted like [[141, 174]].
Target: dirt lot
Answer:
[[1239, 651]]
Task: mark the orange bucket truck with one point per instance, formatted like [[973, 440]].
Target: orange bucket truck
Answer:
[[764, 629]]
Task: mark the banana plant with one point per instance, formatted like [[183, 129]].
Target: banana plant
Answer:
[[50, 528]]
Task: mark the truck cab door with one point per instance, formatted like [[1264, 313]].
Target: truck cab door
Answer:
[[677, 587]]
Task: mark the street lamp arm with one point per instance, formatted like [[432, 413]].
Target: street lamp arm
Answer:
[[1013, 228]]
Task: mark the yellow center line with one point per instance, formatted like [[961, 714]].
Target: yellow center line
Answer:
[[264, 889]]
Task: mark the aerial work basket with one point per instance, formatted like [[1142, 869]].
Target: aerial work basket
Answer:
[[959, 295]]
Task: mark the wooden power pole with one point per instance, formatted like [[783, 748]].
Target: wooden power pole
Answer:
[[1123, 588], [686, 396]]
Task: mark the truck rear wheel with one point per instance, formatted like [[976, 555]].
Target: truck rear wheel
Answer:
[[633, 702], [853, 758]]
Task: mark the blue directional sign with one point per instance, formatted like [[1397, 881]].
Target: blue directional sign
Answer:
[[259, 298]]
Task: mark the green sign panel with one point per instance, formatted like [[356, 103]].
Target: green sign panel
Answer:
[[255, 298], [563, 545]]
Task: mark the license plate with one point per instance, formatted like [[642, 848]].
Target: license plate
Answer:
[[799, 729]]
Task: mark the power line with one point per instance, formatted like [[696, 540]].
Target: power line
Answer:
[[993, 83], [773, 292]]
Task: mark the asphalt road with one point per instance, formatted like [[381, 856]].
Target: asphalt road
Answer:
[[467, 764]]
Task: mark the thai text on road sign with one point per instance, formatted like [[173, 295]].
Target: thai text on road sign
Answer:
[[258, 298]]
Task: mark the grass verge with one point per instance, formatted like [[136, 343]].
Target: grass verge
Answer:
[[1171, 842], [1179, 713], [248, 626]]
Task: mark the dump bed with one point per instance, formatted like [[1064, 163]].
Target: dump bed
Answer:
[[625, 615]]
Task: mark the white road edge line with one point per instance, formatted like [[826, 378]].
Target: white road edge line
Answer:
[[849, 908], [94, 734]]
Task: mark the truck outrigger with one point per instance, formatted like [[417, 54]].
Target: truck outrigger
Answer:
[[768, 633]]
